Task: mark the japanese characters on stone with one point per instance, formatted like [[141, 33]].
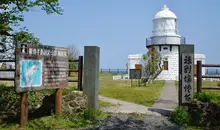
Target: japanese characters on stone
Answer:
[[187, 77]]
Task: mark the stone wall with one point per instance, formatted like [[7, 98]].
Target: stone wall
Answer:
[[45, 104]]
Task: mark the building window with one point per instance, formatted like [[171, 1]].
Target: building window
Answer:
[[165, 48], [165, 65]]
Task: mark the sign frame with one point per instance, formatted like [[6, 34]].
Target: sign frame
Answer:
[[53, 68]]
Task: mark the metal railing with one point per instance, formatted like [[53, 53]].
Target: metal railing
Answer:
[[114, 71], [149, 40]]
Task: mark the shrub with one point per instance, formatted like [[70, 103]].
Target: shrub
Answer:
[[180, 116], [206, 97]]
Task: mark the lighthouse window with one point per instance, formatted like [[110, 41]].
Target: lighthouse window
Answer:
[[165, 48]]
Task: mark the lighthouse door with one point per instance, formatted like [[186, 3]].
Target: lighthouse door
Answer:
[[165, 65]]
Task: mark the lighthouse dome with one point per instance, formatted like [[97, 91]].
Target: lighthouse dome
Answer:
[[165, 13]]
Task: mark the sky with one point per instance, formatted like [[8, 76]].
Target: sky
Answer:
[[120, 27]]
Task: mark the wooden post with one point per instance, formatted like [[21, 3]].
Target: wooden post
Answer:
[[109, 71], [58, 101], [199, 76], [24, 109], [118, 70], [80, 69]]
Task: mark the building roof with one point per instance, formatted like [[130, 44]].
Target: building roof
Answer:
[[135, 56], [165, 13], [199, 56]]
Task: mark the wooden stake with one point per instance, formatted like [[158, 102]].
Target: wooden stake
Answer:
[[24, 109], [80, 71], [199, 76], [58, 101]]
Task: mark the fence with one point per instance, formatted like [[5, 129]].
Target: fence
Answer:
[[79, 71], [9, 74], [212, 72], [200, 76], [114, 71]]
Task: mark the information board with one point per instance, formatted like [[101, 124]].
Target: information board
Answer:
[[135, 74], [138, 66], [40, 67], [187, 77]]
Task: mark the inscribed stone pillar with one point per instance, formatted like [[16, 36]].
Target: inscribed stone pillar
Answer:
[[185, 50], [91, 75]]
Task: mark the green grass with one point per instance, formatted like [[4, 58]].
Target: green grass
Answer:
[[205, 84], [122, 90], [53, 122], [115, 89]]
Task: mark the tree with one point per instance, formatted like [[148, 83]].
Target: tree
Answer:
[[13, 16], [152, 67], [73, 53]]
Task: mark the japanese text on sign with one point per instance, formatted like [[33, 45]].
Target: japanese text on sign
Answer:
[[187, 77]]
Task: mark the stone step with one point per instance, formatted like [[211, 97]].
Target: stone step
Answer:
[[165, 75]]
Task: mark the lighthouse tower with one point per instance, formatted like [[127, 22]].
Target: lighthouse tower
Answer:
[[166, 40]]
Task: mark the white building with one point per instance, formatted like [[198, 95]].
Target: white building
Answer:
[[135, 59], [166, 40]]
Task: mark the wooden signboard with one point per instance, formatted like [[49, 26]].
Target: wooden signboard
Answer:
[[135, 74], [138, 66], [40, 67]]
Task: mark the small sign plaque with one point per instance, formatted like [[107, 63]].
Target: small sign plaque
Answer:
[[187, 77], [138, 66], [135, 74], [40, 67]]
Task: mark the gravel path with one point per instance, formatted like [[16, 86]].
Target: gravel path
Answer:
[[129, 122]]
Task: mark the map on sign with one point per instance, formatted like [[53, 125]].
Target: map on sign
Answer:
[[31, 73]]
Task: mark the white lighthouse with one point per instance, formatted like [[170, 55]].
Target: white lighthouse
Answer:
[[165, 39]]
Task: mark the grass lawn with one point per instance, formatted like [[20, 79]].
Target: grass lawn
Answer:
[[206, 84], [122, 90]]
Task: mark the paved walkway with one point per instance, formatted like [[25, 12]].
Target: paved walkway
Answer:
[[163, 106], [127, 107], [168, 98]]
